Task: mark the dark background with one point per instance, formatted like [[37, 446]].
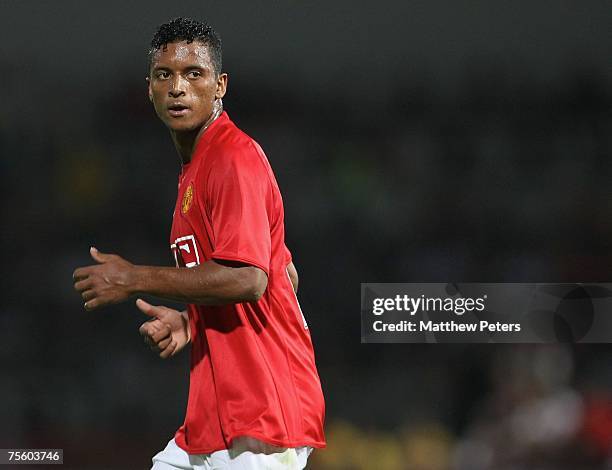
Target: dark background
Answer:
[[412, 141]]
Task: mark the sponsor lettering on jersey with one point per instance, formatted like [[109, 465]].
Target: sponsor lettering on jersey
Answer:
[[185, 252]]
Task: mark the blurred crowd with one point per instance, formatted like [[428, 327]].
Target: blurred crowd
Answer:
[[534, 416], [497, 180]]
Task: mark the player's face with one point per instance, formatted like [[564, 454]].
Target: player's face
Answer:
[[183, 86]]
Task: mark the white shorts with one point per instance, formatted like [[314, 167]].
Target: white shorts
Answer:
[[236, 458]]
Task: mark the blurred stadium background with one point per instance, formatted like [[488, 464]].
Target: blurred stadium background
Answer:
[[413, 141]]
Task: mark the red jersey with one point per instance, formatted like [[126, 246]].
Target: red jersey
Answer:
[[253, 371]]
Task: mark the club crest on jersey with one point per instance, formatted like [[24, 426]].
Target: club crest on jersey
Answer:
[[187, 199]]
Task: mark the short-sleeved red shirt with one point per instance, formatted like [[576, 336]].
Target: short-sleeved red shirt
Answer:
[[253, 371]]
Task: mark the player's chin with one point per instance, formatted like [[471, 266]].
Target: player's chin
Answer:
[[179, 124]]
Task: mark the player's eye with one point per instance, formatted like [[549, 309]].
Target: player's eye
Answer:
[[194, 74], [162, 75]]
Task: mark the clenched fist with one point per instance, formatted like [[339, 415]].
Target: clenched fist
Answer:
[[110, 281], [168, 332]]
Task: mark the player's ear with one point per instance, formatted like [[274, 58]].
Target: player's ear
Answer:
[[149, 88], [221, 86]]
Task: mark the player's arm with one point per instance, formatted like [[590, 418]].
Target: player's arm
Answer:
[[114, 280], [293, 276]]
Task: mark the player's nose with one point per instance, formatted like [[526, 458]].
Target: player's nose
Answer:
[[177, 87]]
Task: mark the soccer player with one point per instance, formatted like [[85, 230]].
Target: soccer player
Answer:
[[255, 398]]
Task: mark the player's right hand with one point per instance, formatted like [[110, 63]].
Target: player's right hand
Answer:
[[168, 332]]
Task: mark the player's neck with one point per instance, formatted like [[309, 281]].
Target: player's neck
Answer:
[[185, 142]]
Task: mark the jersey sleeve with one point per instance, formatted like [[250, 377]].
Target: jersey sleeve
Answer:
[[238, 191]]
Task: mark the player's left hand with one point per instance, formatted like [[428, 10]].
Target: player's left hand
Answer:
[[109, 282]]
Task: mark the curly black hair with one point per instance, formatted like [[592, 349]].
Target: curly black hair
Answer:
[[186, 29]]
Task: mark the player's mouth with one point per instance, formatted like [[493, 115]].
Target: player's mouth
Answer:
[[177, 109]]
